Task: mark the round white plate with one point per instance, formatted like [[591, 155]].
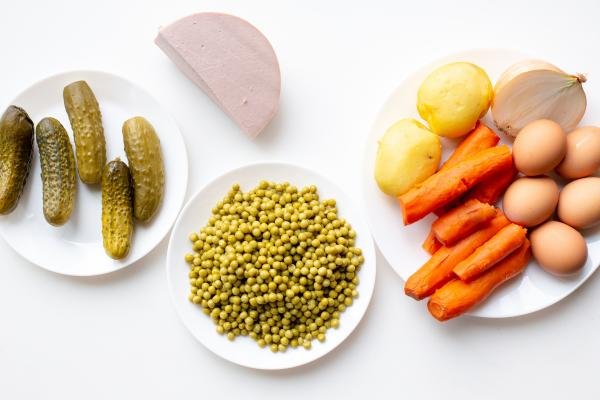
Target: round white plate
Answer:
[[401, 246], [76, 247], [243, 350]]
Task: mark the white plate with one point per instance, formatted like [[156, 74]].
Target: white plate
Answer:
[[76, 248], [243, 350], [401, 246]]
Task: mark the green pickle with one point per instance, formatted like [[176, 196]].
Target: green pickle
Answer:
[[142, 147], [86, 121], [117, 209], [58, 171], [16, 150]]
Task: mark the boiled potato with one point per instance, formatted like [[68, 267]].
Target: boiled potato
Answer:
[[453, 97], [408, 154]]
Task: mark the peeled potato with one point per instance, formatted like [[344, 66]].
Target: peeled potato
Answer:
[[408, 154], [453, 97]]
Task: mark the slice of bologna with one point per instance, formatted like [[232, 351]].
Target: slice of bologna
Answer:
[[231, 60]]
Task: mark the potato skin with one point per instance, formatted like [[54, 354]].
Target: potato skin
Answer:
[[16, 151], [408, 154], [142, 147], [117, 209], [58, 171], [86, 121]]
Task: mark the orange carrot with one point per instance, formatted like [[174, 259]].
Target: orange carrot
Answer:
[[427, 278], [490, 190], [431, 244], [457, 297], [445, 186], [438, 270], [507, 240], [480, 138], [461, 221], [443, 210]]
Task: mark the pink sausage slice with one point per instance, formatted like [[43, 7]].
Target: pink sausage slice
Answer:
[[231, 61]]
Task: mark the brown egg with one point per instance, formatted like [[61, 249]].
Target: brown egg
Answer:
[[579, 203], [539, 147], [583, 153], [558, 248], [530, 201]]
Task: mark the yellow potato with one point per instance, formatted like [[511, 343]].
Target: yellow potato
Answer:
[[453, 97], [408, 154]]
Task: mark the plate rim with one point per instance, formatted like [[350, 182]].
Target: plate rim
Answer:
[[129, 261], [365, 158], [368, 237]]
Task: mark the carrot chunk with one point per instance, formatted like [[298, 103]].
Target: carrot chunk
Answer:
[[507, 240], [490, 190], [438, 270], [457, 297], [480, 138], [431, 244], [445, 186], [461, 221]]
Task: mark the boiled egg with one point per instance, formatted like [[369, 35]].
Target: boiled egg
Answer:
[[579, 203], [529, 201], [558, 248], [583, 153], [539, 147]]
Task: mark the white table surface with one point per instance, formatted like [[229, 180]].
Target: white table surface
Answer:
[[118, 336]]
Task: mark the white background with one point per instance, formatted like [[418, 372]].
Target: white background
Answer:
[[118, 336]]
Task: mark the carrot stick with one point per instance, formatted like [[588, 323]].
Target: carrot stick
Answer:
[[507, 240], [490, 190], [461, 221], [423, 282], [457, 297], [445, 186], [431, 244], [480, 138], [444, 209], [438, 270]]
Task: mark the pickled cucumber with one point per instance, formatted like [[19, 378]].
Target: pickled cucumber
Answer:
[[58, 170], [16, 145], [117, 209], [86, 122], [142, 147]]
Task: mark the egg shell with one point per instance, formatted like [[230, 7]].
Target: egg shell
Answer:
[[583, 153], [539, 147], [579, 203], [529, 201], [558, 248]]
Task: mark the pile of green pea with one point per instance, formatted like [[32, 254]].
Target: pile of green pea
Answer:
[[275, 264]]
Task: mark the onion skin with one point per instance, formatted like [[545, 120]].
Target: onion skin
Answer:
[[552, 94], [520, 68]]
